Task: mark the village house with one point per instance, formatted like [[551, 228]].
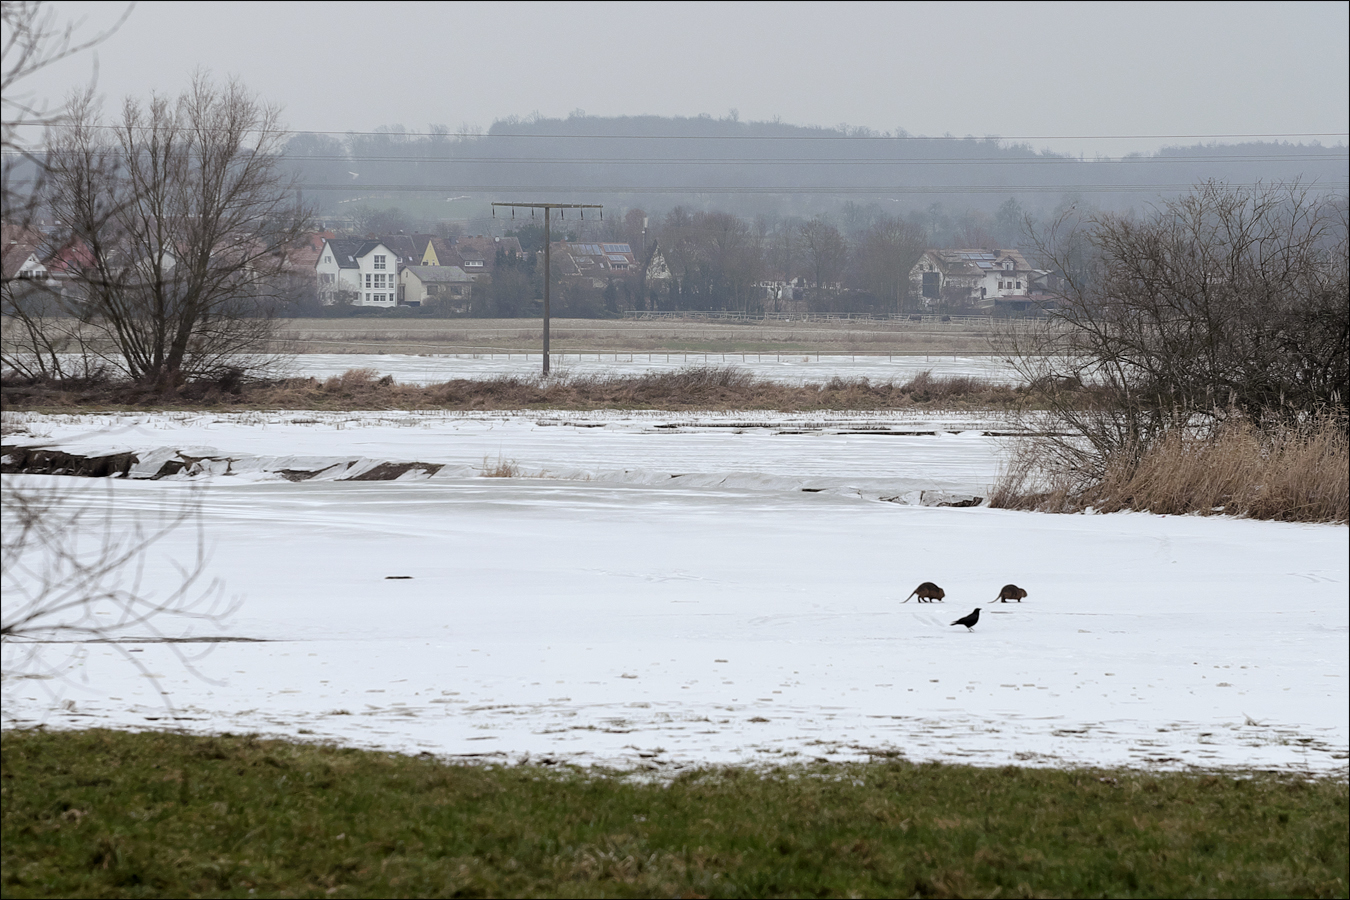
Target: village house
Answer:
[[408, 249], [20, 254], [596, 261], [656, 268], [477, 255], [364, 271], [70, 261], [302, 255], [982, 278], [435, 251], [450, 285]]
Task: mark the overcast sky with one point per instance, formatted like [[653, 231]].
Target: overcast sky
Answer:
[[1063, 76]]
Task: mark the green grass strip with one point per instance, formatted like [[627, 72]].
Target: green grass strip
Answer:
[[112, 814]]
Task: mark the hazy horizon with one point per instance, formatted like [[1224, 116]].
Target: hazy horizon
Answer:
[[1081, 79]]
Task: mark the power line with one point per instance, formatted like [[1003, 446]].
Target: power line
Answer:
[[825, 137], [835, 136], [781, 189], [812, 161], [815, 161]]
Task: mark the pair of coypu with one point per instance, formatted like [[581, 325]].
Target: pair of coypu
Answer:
[[928, 592]]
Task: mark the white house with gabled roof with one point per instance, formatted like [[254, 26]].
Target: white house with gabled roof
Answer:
[[364, 270], [984, 278]]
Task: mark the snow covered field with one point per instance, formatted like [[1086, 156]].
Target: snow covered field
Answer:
[[665, 589], [787, 368]]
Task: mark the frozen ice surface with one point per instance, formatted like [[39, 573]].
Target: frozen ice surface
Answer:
[[672, 621], [896, 455]]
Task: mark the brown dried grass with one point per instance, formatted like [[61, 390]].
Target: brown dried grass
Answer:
[[697, 387], [502, 468], [1291, 473]]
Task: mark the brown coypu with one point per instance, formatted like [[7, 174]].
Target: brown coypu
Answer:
[[1009, 592], [927, 592]]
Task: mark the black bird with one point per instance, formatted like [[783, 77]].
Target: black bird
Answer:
[[970, 620]]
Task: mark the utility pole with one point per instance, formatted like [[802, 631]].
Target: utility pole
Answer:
[[548, 250]]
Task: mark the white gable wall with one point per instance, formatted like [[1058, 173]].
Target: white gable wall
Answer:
[[332, 277], [374, 281], [32, 268], [1006, 280], [378, 278]]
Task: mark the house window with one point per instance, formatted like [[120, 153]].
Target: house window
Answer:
[[932, 282], [367, 298], [328, 259], [379, 260], [1019, 285]]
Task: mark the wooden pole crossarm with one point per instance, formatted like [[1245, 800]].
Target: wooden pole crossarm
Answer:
[[553, 205], [548, 252]]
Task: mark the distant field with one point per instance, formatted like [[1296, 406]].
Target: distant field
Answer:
[[442, 336], [574, 335]]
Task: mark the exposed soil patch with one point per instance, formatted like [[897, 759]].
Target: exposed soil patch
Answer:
[[41, 461]]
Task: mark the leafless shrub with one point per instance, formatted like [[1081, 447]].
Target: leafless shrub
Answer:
[[1298, 472], [180, 223], [39, 340], [1224, 301], [1224, 305], [73, 573]]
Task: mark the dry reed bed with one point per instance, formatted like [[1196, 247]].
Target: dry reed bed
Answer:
[[1293, 473], [702, 387]]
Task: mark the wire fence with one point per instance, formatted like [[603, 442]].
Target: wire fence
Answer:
[[732, 315]]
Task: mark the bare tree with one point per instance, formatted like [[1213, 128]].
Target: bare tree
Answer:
[[390, 220], [826, 254], [1224, 302], [65, 560], [186, 218], [33, 38], [40, 340], [73, 574], [886, 252], [716, 259]]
